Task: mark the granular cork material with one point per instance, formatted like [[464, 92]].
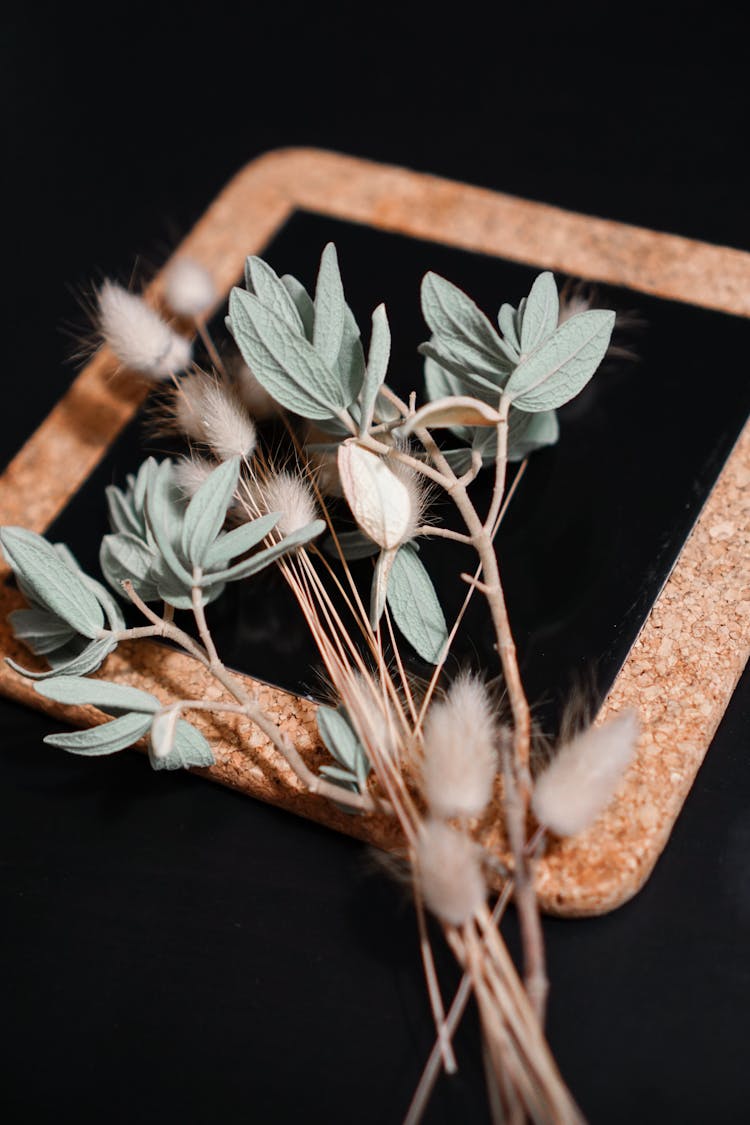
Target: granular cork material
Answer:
[[693, 646]]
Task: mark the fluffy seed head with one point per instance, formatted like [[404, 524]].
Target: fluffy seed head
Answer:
[[581, 780], [187, 405], [189, 288], [225, 425], [255, 397], [460, 756], [191, 472], [138, 336], [449, 872], [290, 494]]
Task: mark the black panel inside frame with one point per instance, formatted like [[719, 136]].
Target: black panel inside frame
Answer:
[[596, 522]]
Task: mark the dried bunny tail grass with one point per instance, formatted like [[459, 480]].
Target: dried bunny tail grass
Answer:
[[227, 428], [460, 754], [580, 296], [379, 723], [185, 405], [189, 288], [254, 396], [290, 494], [191, 472], [138, 336], [581, 780], [449, 871]]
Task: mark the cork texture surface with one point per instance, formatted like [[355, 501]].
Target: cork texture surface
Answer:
[[693, 646]]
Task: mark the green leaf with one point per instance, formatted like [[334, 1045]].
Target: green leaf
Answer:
[[541, 313], [50, 582], [207, 510], [350, 365], [121, 515], [81, 690], [284, 363], [458, 323], [271, 292], [88, 660], [488, 390], [263, 558], [377, 365], [540, 430], [561, 367], [343, 744], [164, 512], [354, 545], [240, 540], [105, 739], [190, 749], [379, 587], [125, 557], [415, 606], [506, 320], [40, 631], [329, 308], [303, 303]]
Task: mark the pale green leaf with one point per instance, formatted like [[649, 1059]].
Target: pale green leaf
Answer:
[[105, 739], [50, 581], [379, 587], [377, 365], [303, 303], [190, 749], [263, 558], [506, 320], [560, 368], [206, 512], [489, 389], [240, 540], [165, 514], [541, 313], [40, 631], [271, 292], [458, 323], [125, 557], [330, 307], [284, 363], [415, 606], [354, 545], [88, 660], [81, 690], [350, 365]]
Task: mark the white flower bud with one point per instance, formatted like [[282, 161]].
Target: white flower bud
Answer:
[[449, 873], [189, 288], [382, 503], [138, 336], [581, 780], [460, 755]]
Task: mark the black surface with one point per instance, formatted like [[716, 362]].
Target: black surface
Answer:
[[173, 952]]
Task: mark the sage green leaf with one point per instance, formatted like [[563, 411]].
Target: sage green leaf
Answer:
[[350, 364], [165, 514], [342, 743], [124, 557], [524, 438], [121, 514], [51, 583], [81, 690], [458, 459], [340, 776], [354, 545], [105, 739], [440, 383], [303, 303], [541, 313], [330, 307], [284, 363], [40, 631], [190, 749], [506, 320], [271, 292], [88, 660], [263, 558], [205, 514], [379, 587], [457, 322], [240, 540], [486, 388], [561, 367], [179, 594], [377, 365], [112, 612], [415, 606]]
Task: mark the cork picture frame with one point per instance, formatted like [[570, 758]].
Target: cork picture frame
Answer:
[[693, 645]]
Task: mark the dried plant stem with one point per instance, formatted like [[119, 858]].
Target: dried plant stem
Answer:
[[445, 1048]]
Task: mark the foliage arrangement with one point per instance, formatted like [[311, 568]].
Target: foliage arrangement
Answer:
[[434, 756]]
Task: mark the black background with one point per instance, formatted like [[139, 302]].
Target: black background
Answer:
[[173, 952]]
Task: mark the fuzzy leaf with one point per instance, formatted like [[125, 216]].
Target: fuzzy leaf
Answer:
[[415, 606], [125, 557], [88, 660], [303, 303], [40, 631], [165, 514], [99, 693], [190, 749], [51, 583], [240, 540], [541, 313], [506, 320], [263, 558], [542, 429], [377, 365], [206, 512], [489, 389], [329, 308], [460, 324], [284, 363], [350, 364], [121, 515], [459, 410], [105, 739], [271, 292], [561, 367], [342, 743]]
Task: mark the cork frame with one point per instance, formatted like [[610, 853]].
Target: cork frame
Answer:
[[703, 610]]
